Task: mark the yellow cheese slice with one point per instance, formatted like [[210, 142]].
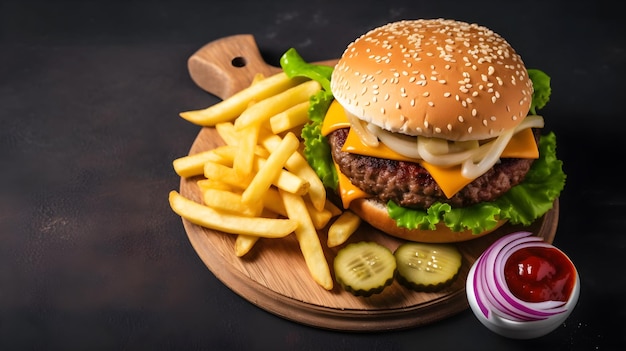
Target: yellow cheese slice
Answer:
[[348, 191], [335, 119]]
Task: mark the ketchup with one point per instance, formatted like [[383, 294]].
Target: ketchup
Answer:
[[537, 274]]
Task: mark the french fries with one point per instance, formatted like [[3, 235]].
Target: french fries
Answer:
[[259, 185], [308, 239], [300, 167], [263, 110], [342, 228], [208, 217], [270, 169], [291, 118], [229, 109]]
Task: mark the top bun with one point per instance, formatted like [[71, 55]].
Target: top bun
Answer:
[[435, 78]]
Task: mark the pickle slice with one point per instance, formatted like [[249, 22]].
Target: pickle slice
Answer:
[[427, 267], [364, 268]]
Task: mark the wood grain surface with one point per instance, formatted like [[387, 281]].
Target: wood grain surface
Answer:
[[274, 275]]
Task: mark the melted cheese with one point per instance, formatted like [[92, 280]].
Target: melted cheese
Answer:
[[449, 179], [347, 190]]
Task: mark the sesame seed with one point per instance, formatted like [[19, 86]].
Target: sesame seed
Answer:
[[461, 119]]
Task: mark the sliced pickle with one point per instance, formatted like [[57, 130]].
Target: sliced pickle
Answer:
[[427, 267], [364, 268]]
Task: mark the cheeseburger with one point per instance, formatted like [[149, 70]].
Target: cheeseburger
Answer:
[[433, 133]]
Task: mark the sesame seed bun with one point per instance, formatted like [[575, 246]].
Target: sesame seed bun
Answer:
[[434, 77], [375, 213]]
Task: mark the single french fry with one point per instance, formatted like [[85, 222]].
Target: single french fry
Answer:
[[231, 202], [270, 170], [245, 243], [263, 110], [226, 174], [330, 206], [274, 202], [290, 118], [227, 132], [320, 218], [298, 165], [342, 228], [229, 109], [308, 240], [206, 184], [193, 165], [245, 154], [229, 223]]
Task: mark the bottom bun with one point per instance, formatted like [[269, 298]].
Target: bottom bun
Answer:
[[375, 213]]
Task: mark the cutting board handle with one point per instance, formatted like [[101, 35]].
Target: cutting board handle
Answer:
[[227, 65]]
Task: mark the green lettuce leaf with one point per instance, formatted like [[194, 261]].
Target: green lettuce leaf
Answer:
[[294, 65], [316, 146], [542, 90]]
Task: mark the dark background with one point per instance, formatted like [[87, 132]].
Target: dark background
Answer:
[[92, 257]]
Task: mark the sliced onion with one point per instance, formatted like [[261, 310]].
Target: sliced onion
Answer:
[[403, 144], [446, 160], [473, 170], [532, 121], [360, 128], [490, 288]]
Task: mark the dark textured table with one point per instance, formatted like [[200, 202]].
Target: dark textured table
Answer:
[[91, 255]]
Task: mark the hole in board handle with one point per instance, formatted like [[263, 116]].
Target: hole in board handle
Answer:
[[238, 62]]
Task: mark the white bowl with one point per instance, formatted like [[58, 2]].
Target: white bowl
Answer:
[[520, 329]]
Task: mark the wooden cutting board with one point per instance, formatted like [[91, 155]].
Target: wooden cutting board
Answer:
[[273, 276]]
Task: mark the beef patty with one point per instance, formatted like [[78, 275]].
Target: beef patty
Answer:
[[409, 185]]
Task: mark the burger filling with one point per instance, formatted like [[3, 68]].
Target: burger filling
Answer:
[[408, 184]]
